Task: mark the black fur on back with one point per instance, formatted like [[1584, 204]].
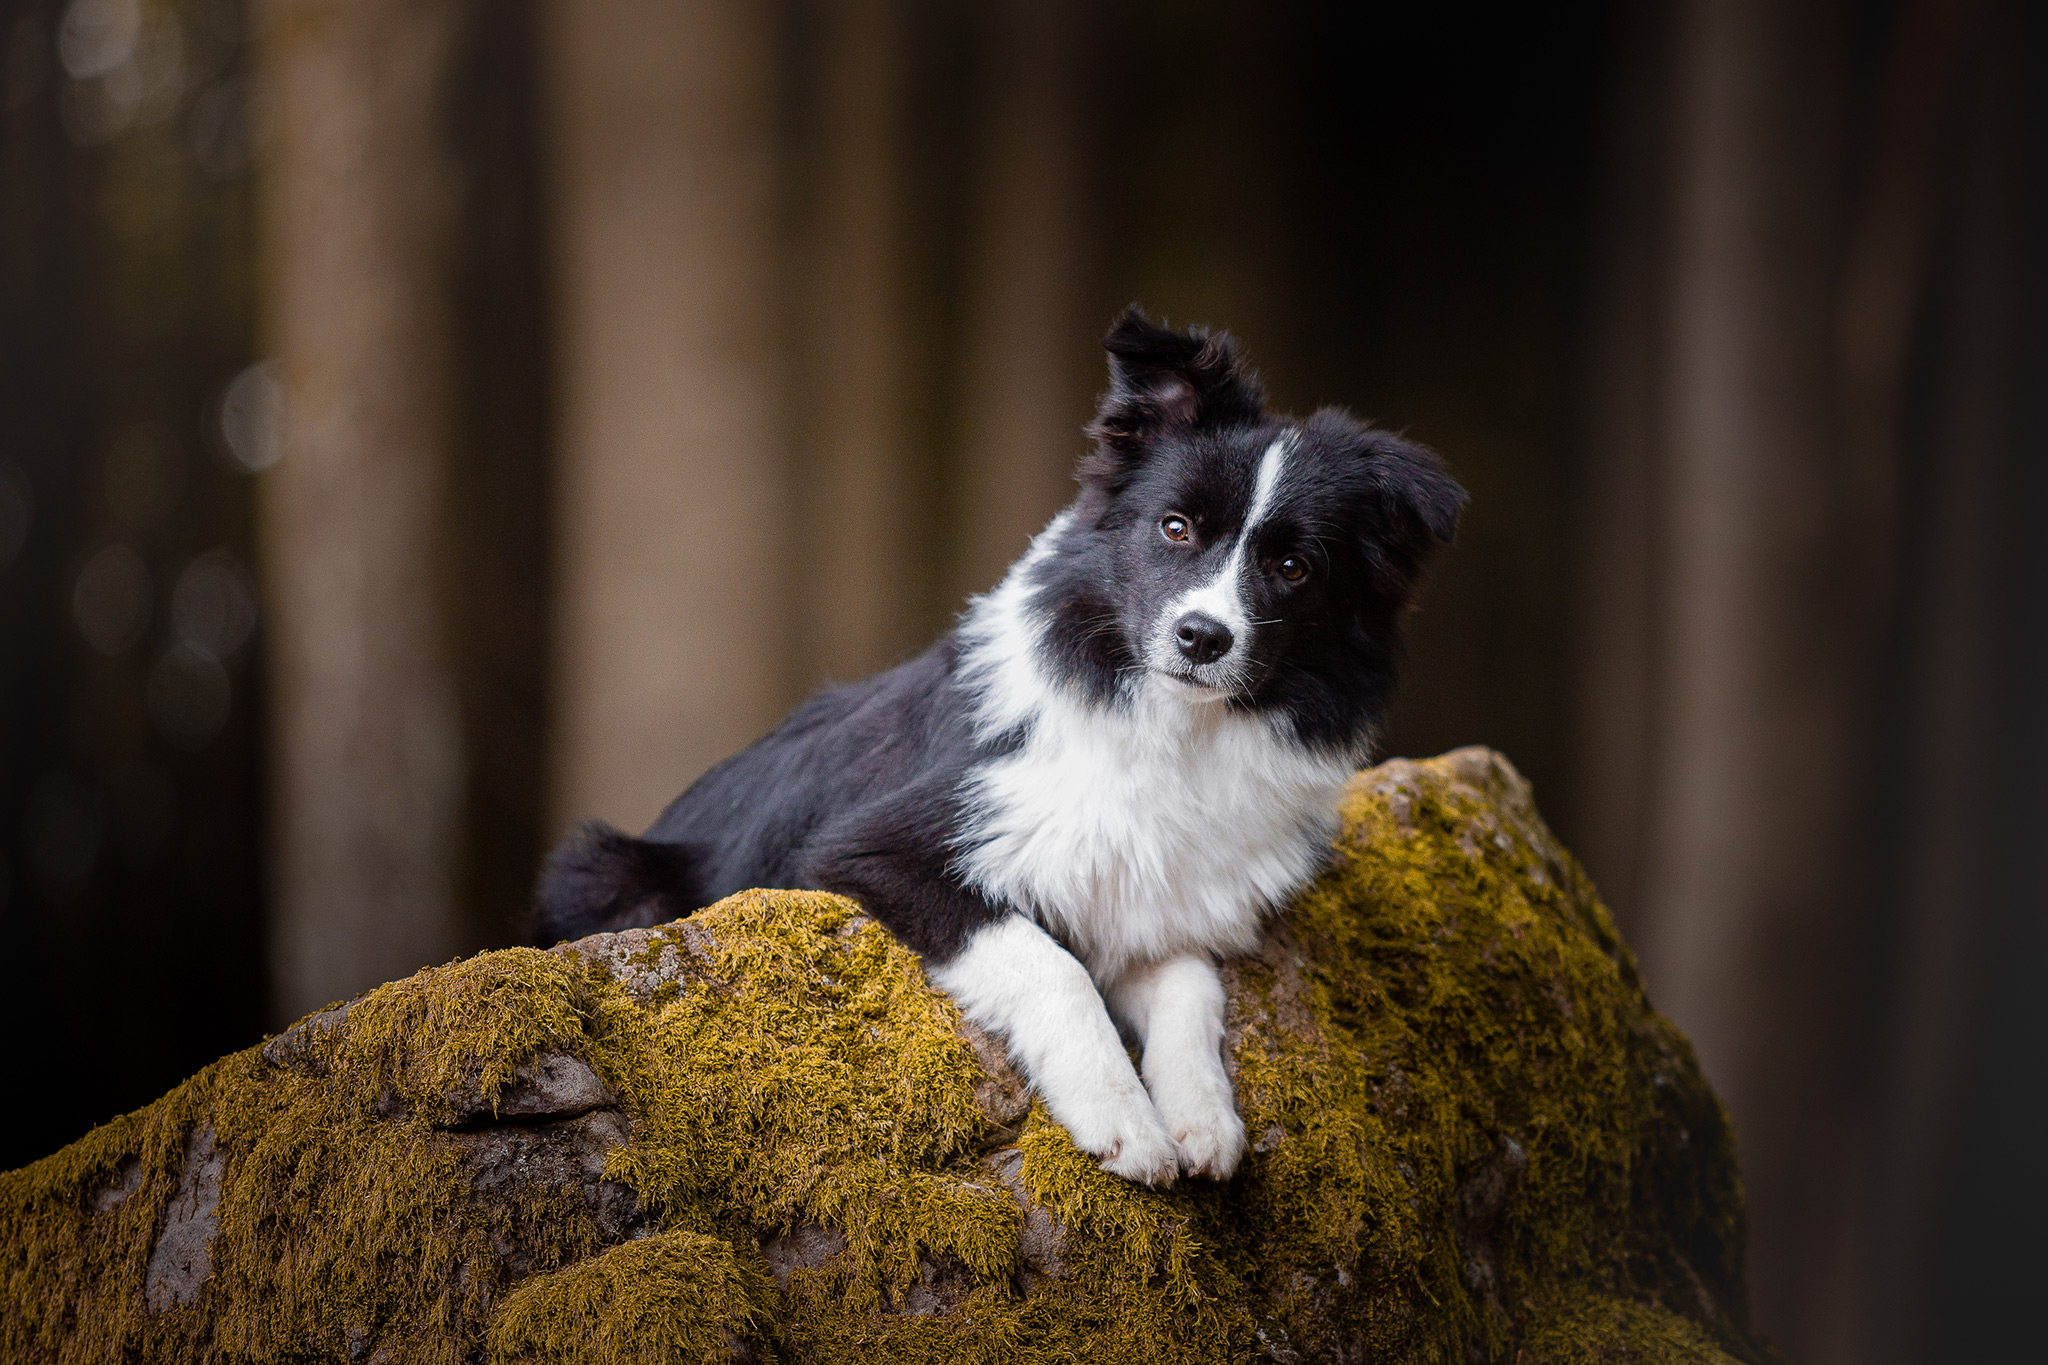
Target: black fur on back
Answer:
[[856, 792]]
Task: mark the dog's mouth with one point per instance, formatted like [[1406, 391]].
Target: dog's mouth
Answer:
[[1191, 683], [1234, 680], [1233, 677]]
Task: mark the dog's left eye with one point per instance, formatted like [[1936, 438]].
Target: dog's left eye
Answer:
[[1174, 527], [1294, 568]]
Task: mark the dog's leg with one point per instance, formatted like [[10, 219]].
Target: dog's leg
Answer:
[[1013, 979], [1176, 1007]]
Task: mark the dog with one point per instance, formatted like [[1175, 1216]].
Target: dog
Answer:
[[1114, 767]]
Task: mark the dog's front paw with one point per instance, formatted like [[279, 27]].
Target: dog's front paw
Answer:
[[1127, 1133], [1195, 1102], [1144, 1153], [1210, 1142]]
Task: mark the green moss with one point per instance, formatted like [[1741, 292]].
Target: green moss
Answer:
[[1474, 1138], [808, 1071], [672, 1299], [346, 1214], [1603, 1330]]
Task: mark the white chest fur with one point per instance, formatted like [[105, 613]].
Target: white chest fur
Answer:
[[1137, 834], [1168, 825]]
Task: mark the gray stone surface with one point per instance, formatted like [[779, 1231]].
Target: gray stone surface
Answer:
[[804, 1247], [183, 1255], [553, 1085]]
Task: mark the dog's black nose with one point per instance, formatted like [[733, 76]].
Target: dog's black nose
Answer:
[[1202, 639]]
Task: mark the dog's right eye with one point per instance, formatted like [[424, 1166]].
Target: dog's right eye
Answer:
[[1175, 527]]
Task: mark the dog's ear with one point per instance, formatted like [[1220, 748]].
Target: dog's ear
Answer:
[[1415, 484], [1412, 503], [1160, 380]]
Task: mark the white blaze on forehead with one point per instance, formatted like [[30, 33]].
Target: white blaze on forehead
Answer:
[[1269, 479], [1222, 597]]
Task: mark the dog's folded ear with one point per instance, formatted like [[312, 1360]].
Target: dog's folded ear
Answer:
[[1416, 485], [1161, 380], [1413, 503]]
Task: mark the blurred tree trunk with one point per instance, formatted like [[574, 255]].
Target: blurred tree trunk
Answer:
[[857, 576], [500, 524], [1778, 706], [1744, 883], [357, 224], [1031, 374], [673, 645], [1934, 327], [1723, 579]]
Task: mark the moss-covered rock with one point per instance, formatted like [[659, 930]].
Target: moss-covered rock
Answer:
[[759, 1134]]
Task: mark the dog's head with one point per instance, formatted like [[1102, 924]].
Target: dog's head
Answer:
[[1236, 556]]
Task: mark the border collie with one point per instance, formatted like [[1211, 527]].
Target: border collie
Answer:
[[1117, 764]]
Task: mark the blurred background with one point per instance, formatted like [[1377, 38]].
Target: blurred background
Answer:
[[425, 424]]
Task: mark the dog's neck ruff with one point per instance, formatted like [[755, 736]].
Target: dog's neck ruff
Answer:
[[1166, 822]]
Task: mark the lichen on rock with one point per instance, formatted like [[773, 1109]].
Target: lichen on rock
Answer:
[[759, 1134]]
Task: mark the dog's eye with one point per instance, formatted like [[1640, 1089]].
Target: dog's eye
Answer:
[[1175, 527], [1294, 568]]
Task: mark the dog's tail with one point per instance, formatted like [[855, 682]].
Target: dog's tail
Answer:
[[599, 880]]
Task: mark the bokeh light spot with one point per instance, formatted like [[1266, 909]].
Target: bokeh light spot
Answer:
[[252, 417], [96, 36], [214, 604]]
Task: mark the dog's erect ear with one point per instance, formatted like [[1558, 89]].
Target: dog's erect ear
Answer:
[[1159, 380]]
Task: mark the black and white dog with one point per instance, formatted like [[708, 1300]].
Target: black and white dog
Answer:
[[1119, 762]]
